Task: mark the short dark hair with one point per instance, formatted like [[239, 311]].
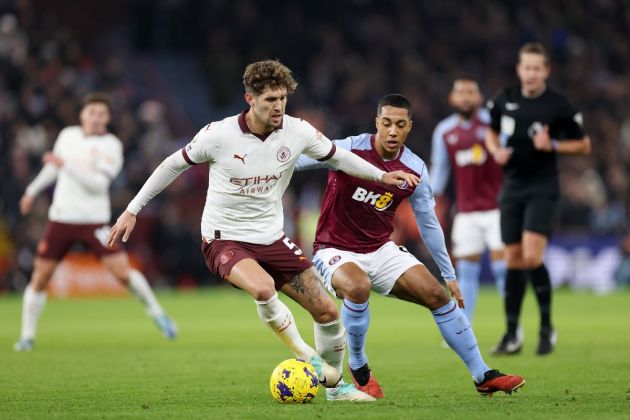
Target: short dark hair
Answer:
[[268, 73], [533, 48], [97, 98], [396, 100], [464, 78]]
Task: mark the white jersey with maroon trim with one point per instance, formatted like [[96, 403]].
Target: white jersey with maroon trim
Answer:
[[249, 174], [85, 158]]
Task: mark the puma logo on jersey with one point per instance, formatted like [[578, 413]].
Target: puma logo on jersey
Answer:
[[242, 158], [379, 201], [511, 106]]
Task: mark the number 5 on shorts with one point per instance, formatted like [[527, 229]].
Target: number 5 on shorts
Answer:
[[292, 246]]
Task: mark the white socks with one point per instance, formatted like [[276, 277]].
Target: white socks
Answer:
[[139, 287], [330, 342], [33, 303], [279, 318]]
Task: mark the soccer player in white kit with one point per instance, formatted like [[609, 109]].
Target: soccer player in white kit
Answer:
[[251, 157], [84, 161]]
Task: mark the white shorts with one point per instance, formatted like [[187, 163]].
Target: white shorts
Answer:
[[383, 266], [476, 230]]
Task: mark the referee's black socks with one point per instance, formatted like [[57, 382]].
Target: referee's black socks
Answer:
[[515, 283], [542, 287]]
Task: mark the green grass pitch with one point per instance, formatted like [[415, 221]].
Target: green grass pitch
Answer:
[[103, 359]]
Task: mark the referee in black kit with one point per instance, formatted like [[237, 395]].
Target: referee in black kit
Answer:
[[530, 124]]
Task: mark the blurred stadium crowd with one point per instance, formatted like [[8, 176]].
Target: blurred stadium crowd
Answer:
[[345, 55]]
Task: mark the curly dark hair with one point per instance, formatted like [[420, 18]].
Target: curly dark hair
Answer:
[[268, 73]]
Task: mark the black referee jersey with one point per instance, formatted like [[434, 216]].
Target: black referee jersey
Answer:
[[517, 119]]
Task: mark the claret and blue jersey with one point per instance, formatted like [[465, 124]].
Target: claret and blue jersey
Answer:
[[358, 215], [458, 146]]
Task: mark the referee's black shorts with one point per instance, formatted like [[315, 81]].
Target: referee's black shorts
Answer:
[[526, 211]]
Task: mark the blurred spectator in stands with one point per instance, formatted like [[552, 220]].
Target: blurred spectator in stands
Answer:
[[345, 56]]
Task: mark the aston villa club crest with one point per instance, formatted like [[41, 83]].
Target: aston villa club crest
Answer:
[[284, 153], [452, 138], [334, 260]]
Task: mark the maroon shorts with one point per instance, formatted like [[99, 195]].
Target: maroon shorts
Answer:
[[282, 259], [59, 237]]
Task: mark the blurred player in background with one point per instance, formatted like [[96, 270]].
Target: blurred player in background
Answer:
[[530, 125], [251, 157], [354, 254], [458, 147], [84, 161]]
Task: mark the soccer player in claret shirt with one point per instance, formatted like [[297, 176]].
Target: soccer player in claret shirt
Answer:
[[530, 125], [251, 157], [459, 148], [354, 254], [84, 161]]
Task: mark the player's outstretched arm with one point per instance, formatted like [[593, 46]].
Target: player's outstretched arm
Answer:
[[26, 203], [440, 165], [423, 205], [433, 237], [163, 175], [352, 164], [44, 178], [305, 163]]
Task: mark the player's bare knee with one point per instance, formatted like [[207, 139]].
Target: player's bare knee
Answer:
[[42, 273], [118, 266], [532, 261], [514, 257], [326, 312], [38, 283], [436, 297], [358, 292], [123, 280], [356, 288], [121, 274], [513, 260], [263, 292]]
